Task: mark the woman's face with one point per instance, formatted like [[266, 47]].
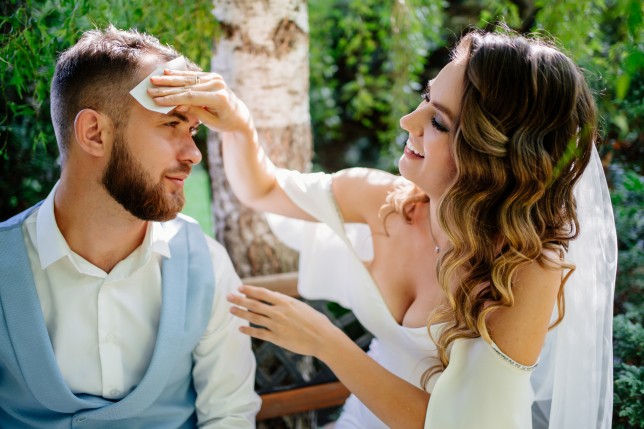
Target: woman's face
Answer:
[[427, 159]]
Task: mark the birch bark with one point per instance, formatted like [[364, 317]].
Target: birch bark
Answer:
[[263, 55]]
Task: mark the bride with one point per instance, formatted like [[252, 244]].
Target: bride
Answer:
[[485, 272]]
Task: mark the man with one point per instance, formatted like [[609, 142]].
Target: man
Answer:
[[112, 308]]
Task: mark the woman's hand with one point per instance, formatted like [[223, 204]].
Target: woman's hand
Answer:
[[291, 324], [283, 320], [206, 95]]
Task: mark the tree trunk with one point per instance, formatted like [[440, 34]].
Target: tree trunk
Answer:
[[263, 55]]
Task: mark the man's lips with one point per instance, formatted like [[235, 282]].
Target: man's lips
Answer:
[[177, 178], [180, 178]]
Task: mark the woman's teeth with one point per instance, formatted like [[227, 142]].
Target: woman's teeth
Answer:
[[413, 150]]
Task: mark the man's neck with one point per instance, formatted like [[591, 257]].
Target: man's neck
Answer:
[[95, 226]]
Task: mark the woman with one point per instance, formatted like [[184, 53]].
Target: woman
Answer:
[[469, 244]]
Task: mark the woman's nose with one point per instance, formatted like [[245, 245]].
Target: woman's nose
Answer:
[[412, 124]]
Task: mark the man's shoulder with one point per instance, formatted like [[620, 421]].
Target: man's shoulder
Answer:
[[217, 250], [18, 219]]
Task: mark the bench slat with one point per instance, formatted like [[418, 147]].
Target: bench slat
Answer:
[[285, 283], [302, 399]]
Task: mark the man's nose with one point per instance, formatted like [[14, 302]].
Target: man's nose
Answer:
[[190, 153]]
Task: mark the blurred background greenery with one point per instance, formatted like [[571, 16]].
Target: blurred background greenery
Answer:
[[369, 60]]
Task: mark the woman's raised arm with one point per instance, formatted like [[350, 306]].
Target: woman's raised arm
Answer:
[[358, 192]]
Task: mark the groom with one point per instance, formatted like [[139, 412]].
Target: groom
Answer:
[[112, 307]]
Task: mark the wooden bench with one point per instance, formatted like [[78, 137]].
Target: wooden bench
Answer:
[[278, 401]]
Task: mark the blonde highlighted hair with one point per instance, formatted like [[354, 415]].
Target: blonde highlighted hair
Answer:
[[522, 138]]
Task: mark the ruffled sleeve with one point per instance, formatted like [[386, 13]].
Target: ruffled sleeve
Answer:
[[481, 388], [330, 251]]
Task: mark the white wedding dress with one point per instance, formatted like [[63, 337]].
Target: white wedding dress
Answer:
[[481, 387]]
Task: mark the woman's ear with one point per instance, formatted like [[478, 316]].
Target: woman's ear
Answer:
[[94, 132]]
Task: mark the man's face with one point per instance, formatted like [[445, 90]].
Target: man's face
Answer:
[[151, 157]]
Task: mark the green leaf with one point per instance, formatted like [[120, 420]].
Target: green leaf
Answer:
[[621, 88]]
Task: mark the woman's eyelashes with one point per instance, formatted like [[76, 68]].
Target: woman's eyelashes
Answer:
[[439, 127], [435, 122]]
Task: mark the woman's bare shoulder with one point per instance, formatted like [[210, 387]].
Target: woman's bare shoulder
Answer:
[[519, 331], [360, 192]]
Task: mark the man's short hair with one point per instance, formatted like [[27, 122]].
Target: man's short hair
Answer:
[[98, 73]]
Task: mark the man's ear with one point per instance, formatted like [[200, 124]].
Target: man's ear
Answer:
[[94, 132]]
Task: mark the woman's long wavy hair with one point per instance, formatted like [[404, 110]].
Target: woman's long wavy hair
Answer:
[[522, 138]]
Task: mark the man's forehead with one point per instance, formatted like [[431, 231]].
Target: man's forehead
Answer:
[[147, 64]]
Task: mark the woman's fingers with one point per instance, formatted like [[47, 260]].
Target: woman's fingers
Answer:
[[250, 304], [189, 96], [167, 94], [184, 78], [252, 311], [263, 294], [169, 72], [161, 91], [259, 333], [260, 306], [249, 316], [280, 319]]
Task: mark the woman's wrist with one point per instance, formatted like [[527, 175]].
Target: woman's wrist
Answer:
[[243, 134], [332, 340]]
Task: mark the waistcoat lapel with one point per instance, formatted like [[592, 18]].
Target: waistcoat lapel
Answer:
[[26, 325]]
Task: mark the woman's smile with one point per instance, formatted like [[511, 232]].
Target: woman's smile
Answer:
[[411, 150]]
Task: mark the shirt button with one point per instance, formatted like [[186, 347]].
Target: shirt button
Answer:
[[114, 392], [110, 337]]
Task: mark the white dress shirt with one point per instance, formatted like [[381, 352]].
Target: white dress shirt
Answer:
[[103, 326]]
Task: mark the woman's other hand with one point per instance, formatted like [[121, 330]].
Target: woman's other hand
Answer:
[[282, 320]]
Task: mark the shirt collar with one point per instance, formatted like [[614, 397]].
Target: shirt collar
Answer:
[[160, 238], [52, 246], [50, 242]]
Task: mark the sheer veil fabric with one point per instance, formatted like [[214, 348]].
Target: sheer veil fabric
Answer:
[[573, 383]]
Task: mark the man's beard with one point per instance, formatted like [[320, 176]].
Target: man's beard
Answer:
[[129, 184]]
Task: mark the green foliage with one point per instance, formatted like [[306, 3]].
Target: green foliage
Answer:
[[605, 38], [628, 204], [366, 60], [494, 10], [199, 198], [629, 339], [629, 371], [32, 34], [629, 390]]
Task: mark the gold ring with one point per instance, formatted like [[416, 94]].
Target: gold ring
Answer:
[[197, 80]]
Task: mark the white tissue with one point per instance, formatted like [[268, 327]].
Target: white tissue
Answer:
[[140, 92]]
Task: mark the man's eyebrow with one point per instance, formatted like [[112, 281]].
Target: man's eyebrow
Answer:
[[438, 106], [182, 118], [179, 116]]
